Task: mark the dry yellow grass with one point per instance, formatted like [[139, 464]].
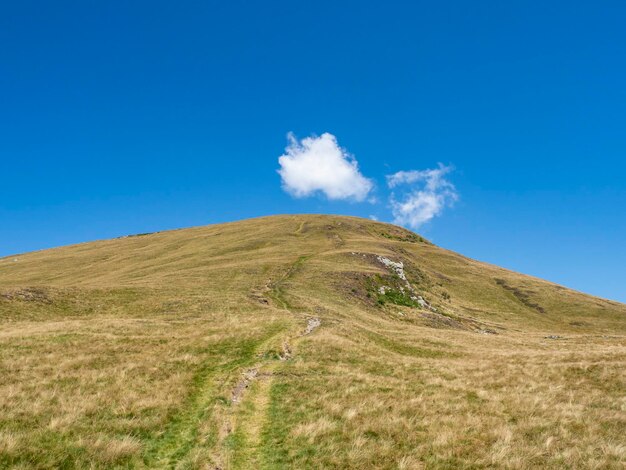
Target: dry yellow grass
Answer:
[[128, 353]]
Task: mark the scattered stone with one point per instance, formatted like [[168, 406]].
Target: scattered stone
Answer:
[[260, 298], [311, 325], [397, 267], [488, 331], [28, 294], [437, 320], [553, 337], [286, 354]]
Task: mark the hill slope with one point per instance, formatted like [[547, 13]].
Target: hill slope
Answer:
[[301, 342]]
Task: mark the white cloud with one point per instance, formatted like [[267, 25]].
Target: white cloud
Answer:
[[428, 193], [318, 164]]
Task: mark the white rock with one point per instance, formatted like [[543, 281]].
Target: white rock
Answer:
[[397, 267]]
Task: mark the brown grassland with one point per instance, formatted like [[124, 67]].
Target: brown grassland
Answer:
[[186, 349]]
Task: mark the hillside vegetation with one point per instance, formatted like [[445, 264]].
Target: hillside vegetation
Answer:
[[301, 342]]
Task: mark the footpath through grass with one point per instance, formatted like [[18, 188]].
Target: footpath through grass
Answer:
[[210, 390]]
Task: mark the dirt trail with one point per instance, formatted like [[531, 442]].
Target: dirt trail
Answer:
[[259, 377], [301, 228], [243, 384], [252, 374], [251, 424]]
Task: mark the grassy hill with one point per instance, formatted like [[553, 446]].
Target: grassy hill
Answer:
[[301, 342]]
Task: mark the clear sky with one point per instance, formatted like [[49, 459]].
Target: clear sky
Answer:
[[127, 117]]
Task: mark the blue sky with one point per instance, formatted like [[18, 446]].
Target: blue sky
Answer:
[[127, 117]]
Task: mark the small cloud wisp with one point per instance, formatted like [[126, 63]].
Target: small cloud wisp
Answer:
[[428, 193]]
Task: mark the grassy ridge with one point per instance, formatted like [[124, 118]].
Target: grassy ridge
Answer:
[[126, 353]]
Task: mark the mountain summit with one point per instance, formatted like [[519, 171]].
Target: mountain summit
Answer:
[[301, 341]]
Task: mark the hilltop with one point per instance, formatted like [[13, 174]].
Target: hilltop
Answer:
[[304, 341]]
